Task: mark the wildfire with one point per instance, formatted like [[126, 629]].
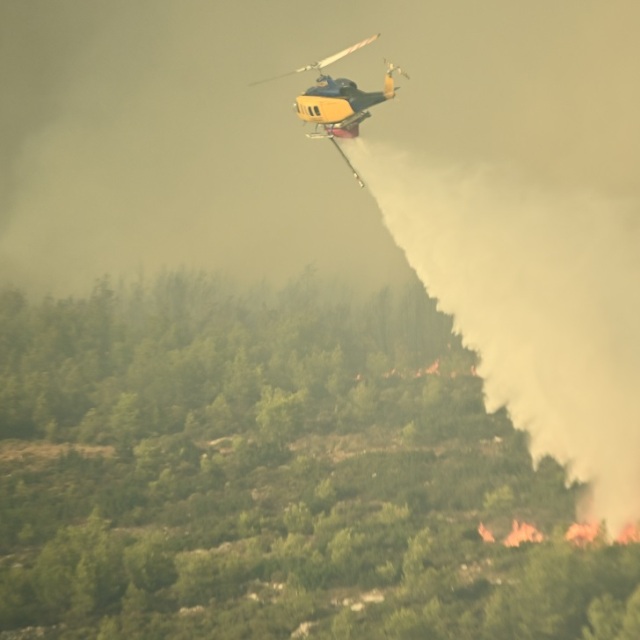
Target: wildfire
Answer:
[[432, 370], [582, 534], [522, 532], [631, 533], [485, 534]]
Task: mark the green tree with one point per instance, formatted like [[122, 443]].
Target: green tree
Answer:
[[280, 414], [361, 407], [297, 518], [198, 577], [242, 383], [325, 493], [605, 619], [501, 621], [343, 624], [631, 620], [406, 624], [125, 421], [550, 599], [80, 570], [18, 607], [417, 557], [219, 417], [500, 501], [149, 563], [345, 553], [109, 629]]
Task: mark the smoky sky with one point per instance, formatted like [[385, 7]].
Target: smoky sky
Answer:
[[131, 140]]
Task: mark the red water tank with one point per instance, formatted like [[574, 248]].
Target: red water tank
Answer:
[[351, 132]]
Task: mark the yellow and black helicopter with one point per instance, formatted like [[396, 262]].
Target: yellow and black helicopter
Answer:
[[337, 107]]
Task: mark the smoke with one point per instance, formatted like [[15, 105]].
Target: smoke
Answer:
[[131, 143], [544, 286]]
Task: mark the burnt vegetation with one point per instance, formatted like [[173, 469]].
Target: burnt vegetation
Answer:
[[187, 458]]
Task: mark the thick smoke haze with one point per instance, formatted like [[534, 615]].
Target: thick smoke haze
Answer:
[[544, 286], [135, 144], [130, 141]]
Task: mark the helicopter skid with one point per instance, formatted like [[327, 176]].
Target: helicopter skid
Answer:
[[348, 128], [335, 132]]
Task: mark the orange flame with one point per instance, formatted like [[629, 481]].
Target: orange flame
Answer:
[[522, 532], [485, 534], [582, 534], [630, 534], [433, 369], [579, 534]]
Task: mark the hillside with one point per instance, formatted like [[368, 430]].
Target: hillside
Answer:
[[188, 458]]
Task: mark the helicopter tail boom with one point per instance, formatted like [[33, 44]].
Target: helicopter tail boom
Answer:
[[389, 90]]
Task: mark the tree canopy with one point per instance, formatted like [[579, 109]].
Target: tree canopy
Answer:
[[190, 458]]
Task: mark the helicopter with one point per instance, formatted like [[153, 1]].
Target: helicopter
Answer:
[[336, 106]]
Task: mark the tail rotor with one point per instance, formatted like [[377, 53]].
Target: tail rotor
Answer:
[[393, 68]]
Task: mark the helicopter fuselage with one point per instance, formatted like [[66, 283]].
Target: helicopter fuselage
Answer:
[[338, 103]]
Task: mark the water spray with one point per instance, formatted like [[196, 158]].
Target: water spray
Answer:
[[544, 286]]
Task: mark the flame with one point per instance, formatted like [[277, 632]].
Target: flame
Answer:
[[485, 534], [522, 532], [582, 533], [579, 534], [630, 534], [433, 369]]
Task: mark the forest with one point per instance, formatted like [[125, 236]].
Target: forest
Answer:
[[188, 457]]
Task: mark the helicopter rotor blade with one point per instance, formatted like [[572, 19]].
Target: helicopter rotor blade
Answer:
[[325, 62], [282, 75]]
